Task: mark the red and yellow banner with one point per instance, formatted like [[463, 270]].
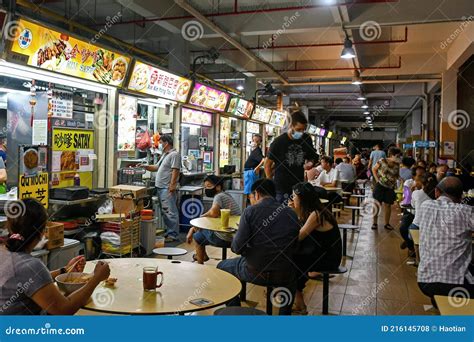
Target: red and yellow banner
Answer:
[[48, 49]]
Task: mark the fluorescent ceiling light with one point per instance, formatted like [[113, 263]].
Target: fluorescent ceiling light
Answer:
[[361, 98], [240, 87], [364, 106], [366, 112]]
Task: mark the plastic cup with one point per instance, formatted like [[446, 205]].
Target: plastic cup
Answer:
[[225, 216]]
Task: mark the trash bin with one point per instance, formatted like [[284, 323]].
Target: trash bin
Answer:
[[148, 235]]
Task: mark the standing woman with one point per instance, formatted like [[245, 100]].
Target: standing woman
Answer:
[[253, 164], [26, 285], [386, 174], [320, 246]]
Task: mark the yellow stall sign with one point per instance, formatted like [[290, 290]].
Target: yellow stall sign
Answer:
[[44, 48], [72, 140], [35, 187]]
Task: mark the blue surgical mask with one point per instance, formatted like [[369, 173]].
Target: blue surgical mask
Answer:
[[297, 135]]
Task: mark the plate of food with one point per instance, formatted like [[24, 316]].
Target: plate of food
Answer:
[[119, 69], [68, 161], [30, 160], [139, 78], [72, 281]]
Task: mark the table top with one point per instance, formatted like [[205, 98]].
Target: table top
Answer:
[[323, 200], [173, 251], [449, 306], [211, 223], [183, 281], [415, 235]]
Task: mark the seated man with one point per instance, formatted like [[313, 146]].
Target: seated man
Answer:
[[347, 174], [266, 239], [445, 242], [213, 188]]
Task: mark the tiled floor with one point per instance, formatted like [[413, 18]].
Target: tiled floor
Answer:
[[378, 281]]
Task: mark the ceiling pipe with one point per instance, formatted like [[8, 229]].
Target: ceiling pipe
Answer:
[[71, 24], [267, 66], [236, 12], [317, 45], [315, 69], [384, 81]]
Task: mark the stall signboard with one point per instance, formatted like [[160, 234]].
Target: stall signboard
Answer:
[[42, 47], [322, 132], [330, 135], [224, 138], [407, 146], [127, 123], [421, 144], [207, 97], [262, 114], [253, 127], [312, 129], [153, 81], [318, 131], [240, 107], [343, 140], [61, 104], [278, 118], [196, 117], [33, 159], [34, 187]]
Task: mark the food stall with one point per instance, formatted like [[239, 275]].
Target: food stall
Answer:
[[147, 109], [262, 115], [59, 95], [275, 125]]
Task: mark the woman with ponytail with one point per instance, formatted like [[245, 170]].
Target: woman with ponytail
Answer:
[[26, 285]]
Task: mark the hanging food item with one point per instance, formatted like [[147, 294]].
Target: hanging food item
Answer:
[[156, 140]]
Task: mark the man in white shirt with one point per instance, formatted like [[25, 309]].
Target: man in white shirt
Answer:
[[329, 176], [446, 227]]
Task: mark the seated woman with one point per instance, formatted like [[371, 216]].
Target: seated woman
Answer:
[[320, 246], [213, 188], [26, 285]]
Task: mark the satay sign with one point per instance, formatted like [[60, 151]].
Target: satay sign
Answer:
[[64, 140], [35, 187]]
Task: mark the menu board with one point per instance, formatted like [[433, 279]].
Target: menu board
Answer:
[[253, 127], [60, 104], [322, 132], [153, 81], [208, 97], [45, 48], [224, 136], [196, 117], [36, 187], [278, 118], [312, 129], [33, 159], [240, 107], [262, 114], [127, 124]]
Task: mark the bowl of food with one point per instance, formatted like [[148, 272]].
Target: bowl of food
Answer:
[[72, 281]]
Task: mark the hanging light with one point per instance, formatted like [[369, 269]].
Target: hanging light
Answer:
[[364, 106], [366, 112], [361, 98], [240, 87], [356, 80], [348, 51]]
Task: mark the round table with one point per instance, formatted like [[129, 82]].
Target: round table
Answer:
[[332, 188], [183, 281], [211, 223], [170, 252]]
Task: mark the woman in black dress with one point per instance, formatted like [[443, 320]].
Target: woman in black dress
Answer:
[[320, 246]]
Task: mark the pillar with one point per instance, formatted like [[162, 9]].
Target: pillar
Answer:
[[250, 87], [179, 59], [448, 112]]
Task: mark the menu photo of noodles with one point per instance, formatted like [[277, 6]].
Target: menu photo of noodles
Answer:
[[32, 159]]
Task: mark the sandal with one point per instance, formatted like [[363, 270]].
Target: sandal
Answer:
[[375, 226], [195, 258], [388, 227], [300, 312]]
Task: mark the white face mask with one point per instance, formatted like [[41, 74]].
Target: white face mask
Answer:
[[253, 145]]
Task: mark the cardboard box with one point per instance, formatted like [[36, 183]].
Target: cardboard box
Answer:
[[128, 191], [125, 206], [54, 232]]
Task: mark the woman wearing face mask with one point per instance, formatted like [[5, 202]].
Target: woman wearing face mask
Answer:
[[213, 188], [26, 285], [253, 164]]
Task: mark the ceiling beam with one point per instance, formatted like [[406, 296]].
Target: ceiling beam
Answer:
[[203, 19]]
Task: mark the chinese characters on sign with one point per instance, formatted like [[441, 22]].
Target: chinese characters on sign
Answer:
[[71, 149], [35, 187]]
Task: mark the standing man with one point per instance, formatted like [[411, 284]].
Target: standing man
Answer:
[[253, 163], [375, 156], [287, 156], [167, 175]]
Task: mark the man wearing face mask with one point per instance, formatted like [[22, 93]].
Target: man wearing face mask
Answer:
[[253, 163], [221, 200], [287, 156], [167, 174]]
